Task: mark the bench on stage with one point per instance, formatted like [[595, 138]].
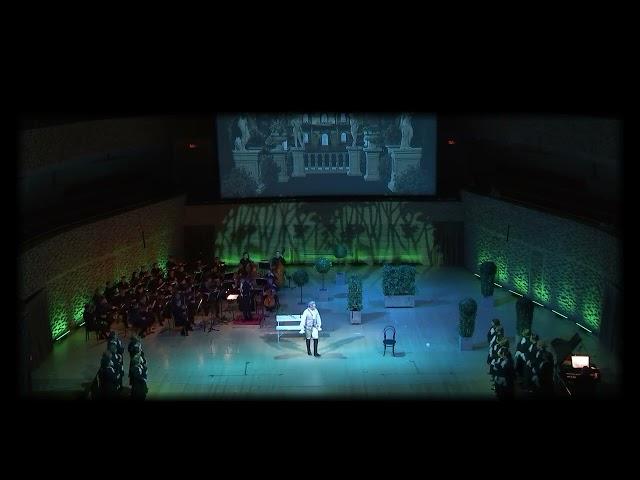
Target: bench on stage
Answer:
[[287, 322]]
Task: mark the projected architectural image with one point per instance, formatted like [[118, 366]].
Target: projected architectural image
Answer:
[[311, 154]]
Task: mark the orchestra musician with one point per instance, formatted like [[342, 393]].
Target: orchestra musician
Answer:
[[270, 300], [277, 267], [179, 310], [245, 300]]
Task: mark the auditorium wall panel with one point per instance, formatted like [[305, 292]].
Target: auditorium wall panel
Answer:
[[72, 264]]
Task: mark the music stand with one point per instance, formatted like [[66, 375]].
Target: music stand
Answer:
[[264, 265]]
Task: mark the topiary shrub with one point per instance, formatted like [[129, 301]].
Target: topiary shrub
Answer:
[[524, 314], [468, 308], [300, 278], [340, 250], [487, 278], [355, 294], [399, 280], [323, 265]]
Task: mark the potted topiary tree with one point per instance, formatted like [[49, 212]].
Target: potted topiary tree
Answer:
[[354, 303], [300, 278], [468, 308], [340, 251], [524, 314], [399, 285], [323, 265], [487, 278]]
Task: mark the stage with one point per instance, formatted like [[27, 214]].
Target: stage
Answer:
[[239, 362]]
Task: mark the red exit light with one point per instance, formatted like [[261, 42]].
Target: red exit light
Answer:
[[193, 145]]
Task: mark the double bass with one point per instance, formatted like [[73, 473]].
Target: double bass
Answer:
[[277, 267], [269, 300]]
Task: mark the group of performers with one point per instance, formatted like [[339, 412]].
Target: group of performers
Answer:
[[533, 365], [111, 371], [150, 296], [254, 290]]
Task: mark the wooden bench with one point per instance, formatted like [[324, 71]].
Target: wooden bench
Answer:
[[287, 323]]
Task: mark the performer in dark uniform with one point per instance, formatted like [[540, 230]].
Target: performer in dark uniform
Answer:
[[117, 360], [138, 379], [505, 375], [529, 357], [521, 350], [495, 323], [109, 377]]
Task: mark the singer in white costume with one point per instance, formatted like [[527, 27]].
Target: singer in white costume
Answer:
[[311, 325]]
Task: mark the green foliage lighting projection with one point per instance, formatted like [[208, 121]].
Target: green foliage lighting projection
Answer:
[[66, 305], [562, 264], [373, 232]]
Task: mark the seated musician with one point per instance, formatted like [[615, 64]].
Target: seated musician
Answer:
[[217, 268], [179, 310], [180, 273], [155, 270], [89, 317], [171, 263], [244, 261], [103, 311], [97, 295], [135, 318], [270, 299], [277, 267], [108, 291], [123, 285]]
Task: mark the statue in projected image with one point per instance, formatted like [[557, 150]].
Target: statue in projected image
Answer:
[[407, 131], [241, 142], [355, 125], [296, 124]]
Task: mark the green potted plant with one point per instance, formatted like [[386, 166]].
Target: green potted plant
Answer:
[[399, 285], [340, 251], [487, 278], [524, 314], [300, 278], [354, 299], [468, 309], [323, 265]]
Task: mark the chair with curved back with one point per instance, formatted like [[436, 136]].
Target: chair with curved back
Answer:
[[389, 339]]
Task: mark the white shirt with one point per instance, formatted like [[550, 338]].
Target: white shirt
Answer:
[[311, 318]]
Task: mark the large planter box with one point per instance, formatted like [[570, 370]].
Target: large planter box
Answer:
[[323, 295], [399, 300], [355, 316], [466, 343]]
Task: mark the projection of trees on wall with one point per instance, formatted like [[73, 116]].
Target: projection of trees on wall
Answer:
[[559, 263], [374, 232]]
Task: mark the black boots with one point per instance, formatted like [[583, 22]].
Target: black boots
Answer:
[[315, 348], [308, 347]]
